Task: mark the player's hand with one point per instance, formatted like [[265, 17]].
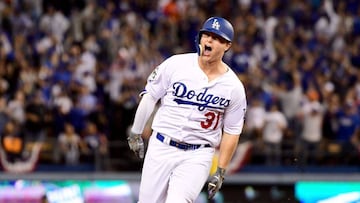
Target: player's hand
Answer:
[[216, 182], [136, 144]]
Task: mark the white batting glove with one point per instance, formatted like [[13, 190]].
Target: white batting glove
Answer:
[[216, 182], [136, 144]]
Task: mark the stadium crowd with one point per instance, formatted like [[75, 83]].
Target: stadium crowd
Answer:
[[71, 71]]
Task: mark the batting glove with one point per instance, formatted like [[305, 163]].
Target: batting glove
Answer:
[[136, 144], [216, 182]]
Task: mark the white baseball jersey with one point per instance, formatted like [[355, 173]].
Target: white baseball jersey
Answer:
[[193, 109]]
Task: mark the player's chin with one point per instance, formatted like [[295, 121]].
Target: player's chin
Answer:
[[208, 58], [205, 59]]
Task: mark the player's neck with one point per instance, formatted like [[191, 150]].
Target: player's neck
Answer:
[[213, 69]]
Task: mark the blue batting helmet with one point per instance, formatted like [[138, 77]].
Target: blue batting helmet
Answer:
[[218, 26]]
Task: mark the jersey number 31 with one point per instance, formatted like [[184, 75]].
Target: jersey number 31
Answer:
[[212, 119]]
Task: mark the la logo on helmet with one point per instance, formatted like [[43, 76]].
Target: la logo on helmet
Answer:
[[216, 24]]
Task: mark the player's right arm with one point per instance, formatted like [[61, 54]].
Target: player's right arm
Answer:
[[142, 115], [154, 90]]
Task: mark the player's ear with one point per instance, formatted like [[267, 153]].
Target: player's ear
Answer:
[[227, 47]]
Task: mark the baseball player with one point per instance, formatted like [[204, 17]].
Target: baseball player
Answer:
[[202, 107]]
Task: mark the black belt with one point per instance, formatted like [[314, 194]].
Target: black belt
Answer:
[[181, 145]]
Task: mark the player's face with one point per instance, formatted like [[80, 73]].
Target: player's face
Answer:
[[213, 46]]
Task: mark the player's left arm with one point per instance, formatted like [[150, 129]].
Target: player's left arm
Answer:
[[233, 123], [227, 149], [228, 146], [234, 118]]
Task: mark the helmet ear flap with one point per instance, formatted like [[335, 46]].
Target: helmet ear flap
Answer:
[[197, 43]]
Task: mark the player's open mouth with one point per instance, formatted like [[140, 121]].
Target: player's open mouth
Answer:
[[207, 50]]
